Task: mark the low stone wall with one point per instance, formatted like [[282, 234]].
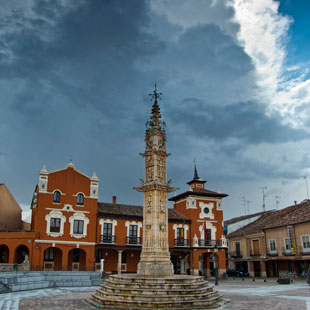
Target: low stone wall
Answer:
[[13, 267]]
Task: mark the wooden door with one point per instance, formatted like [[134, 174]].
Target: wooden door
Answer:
[[256, 249]]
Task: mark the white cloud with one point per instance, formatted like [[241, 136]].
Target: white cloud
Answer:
[[26, 214], [264, 34]]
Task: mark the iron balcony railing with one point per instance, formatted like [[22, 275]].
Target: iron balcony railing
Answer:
[[210, 243], [236, 254], [107, 239], [133, 240], [181, 242]]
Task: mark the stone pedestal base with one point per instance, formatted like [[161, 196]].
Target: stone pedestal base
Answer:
[[176, 292], [155, 269]]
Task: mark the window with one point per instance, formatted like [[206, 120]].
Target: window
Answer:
[[107, 232], [287, 244], [80, 199], [56, 196], [306, 242], [237, 247], [55, 225], [272, 245], [49, 254], [78, 227], [133, 233], [124, 257], [208, 234], [180, 233]]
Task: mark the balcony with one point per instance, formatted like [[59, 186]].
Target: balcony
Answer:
[[304, 251], [107, 239], [133, 240], [255, 253], [272, 252], [181, 242], [287, 252], [210, 243], [236, 254]]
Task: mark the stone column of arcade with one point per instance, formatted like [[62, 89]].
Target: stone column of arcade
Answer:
[[155, 286]]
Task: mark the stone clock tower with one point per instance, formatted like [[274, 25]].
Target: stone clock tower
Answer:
[[155, 257]]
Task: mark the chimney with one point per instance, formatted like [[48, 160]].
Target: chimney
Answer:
[[113, 199]]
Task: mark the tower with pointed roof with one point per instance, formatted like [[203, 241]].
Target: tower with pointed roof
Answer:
[[155, 256]]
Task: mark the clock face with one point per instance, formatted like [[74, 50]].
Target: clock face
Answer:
[[206, 210]]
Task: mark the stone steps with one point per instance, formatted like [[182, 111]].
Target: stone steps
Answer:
[[25, 286], [154, 298], [213, 303], [154, 291], [21, 281], [176, 292]]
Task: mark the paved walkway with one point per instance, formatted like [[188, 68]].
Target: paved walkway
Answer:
[[243, 295], [51, 298]]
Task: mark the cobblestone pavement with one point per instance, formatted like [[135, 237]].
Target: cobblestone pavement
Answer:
[[243, 295]]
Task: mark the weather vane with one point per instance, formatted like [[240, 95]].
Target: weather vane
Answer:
[[155, 95]]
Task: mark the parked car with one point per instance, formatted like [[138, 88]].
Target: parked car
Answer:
[[236, 273]]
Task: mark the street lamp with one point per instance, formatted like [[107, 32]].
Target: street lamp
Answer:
[[216, 265]]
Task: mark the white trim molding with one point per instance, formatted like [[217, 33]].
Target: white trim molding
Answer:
[[191, 203], [58, 215], [208, 215], [54, 243], [175, 228], [113, 222], [208, 226], [128, 223], [81, 217]]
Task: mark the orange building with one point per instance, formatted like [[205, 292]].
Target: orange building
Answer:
[[205, 235], [71, 230]]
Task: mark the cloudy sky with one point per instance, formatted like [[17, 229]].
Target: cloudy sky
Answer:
[[75, 78]]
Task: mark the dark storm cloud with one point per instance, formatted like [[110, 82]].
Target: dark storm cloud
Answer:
[[245, 121]]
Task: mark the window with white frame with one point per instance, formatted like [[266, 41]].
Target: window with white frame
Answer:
[[287, 244], [272, 246], [55, 221], [306, 242], [78, 225], [133, 232], [55, 225]]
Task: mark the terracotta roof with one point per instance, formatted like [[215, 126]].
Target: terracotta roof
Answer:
[[198, 192], [295, 214], [116, 210]]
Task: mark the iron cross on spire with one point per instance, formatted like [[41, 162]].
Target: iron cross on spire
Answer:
[[155, 95]]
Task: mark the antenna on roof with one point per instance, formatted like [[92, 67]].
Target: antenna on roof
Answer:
[[248, 205], [263, 188], [277, 201], [244, 203]]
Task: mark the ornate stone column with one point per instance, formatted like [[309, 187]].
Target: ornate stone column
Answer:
[[155, 256]]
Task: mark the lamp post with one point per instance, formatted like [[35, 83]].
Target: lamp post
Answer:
[[216, 265]]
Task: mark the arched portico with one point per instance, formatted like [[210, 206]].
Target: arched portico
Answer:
[[4, 254], [52, 259], [77, 259], [20, 254]]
